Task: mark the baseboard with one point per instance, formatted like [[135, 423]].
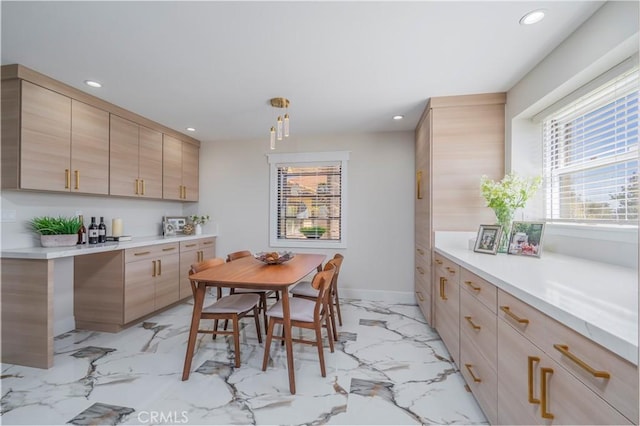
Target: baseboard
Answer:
[[403, 297], [61, 326]]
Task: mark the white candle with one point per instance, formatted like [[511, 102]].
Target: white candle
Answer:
[[116, 227]]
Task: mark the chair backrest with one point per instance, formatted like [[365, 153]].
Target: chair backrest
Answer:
[[201, 266], [237, 255], [337, 261], [322, 282]]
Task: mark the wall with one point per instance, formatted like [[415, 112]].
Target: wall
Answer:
[[608, 37], [234, 189]]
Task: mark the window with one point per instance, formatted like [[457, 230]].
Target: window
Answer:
[[591, 156], [308, 192]]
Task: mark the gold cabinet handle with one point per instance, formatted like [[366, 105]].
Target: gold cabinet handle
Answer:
[[420, 270], [507, 311], [206, 243], [544, 396], [443, 296], [419, 250], [473, 287], [154, 268], [67, 178], [439, 262], [475, 379], [190, 245], [77, 173], [531, 360], [564, 350], [168, 248], [137, 186], [159, 267], [142, 180], [419, 184], [474, 326], [141, 253], [420, 297], [451, 271]]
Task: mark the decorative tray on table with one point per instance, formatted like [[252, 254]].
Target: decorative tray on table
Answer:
[[273, 257]]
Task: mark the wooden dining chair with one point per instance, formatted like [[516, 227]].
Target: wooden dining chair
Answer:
[[305, 313], [232, 308], [306, 290], [263, 294]]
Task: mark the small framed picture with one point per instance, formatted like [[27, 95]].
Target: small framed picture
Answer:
[[488, 239], [526, 239]]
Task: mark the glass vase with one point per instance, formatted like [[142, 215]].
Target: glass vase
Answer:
[[505, 224]]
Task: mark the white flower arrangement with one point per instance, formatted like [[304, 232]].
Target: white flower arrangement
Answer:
[[199, 220]]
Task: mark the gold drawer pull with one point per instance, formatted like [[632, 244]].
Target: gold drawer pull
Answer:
[[77, 172], [207, 242], [420, 251], [142, 187], [168, 248], [564, 350], [439, 262], [473, 287], [142, 253], [191, 245], [154, 268], [67, 178], [531, 360], [474, 326], [419, 296], [507, 311], [451, 271], [137, 187], [443, 281], [475, 379], [159, 267], [544, 403], [420, 270]]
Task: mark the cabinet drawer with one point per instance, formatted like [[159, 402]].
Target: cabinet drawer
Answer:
[[480, 289], [478, 325], [207, 243], [423, 297], [446, 267], [527, 320], [481, 378], [587, 360], [189, 245], [148, 252]]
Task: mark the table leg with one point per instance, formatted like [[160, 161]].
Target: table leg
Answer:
[[287, 340], [193, 332]]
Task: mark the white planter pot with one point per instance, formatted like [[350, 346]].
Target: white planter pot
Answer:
[[66, 240], [198, 229]]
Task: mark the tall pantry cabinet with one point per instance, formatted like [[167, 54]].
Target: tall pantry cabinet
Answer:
[[458, 139]]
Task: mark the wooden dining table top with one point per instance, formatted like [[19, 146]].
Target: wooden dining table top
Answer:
[[248, 272]]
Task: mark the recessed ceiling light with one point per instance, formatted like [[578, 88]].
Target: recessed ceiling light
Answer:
[[398, 117], [191, 129], [92, 83], [532, 17]]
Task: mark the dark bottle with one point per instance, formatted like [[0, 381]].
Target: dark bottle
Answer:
[[82, 231], [93, 232], [102, 231]]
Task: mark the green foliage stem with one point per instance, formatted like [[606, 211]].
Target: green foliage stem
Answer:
[[49, 225]]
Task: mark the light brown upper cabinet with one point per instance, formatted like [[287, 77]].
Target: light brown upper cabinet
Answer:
[[136, 160], [180, 173], [52, 142]]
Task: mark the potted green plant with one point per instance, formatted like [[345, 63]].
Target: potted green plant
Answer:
[[56, 231], [313, 231], [198, 221]]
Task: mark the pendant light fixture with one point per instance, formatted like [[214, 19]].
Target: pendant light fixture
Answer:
[[282, 124]]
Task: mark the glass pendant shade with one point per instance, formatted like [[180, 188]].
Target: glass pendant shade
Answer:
[[272, 138], [279, 129], [286, 125]]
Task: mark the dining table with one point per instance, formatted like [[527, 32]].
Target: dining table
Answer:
[[249, 272]]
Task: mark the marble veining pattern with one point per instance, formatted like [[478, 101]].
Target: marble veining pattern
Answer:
[[388, 367]]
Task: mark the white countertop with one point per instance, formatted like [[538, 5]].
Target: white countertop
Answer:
[[58, 252], [597, 300]]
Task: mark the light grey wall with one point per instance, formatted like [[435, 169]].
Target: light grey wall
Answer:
[[234, 189]]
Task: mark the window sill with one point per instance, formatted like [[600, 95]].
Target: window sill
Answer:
[[616, 233], [316, 244]]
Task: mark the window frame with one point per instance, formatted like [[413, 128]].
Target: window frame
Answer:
[[298, 159]]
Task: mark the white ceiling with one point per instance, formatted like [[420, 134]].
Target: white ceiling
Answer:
[[345, 66]]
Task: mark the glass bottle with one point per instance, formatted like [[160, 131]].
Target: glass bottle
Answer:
[[93, 231], [102, 231], [82, 231]]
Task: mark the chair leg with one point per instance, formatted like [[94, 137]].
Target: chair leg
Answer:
[[337, 302], [236, 339], [320, 349], [256, 317], [332, 317], [329, 332], [267, 345], [215, 328], [263, 302]]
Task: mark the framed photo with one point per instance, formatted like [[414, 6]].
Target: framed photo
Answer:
[[488, 239], [526, 239], [173, 225]]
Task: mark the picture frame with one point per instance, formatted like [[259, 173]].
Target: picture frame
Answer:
[[488, 239], [526, 239], [173, 225]]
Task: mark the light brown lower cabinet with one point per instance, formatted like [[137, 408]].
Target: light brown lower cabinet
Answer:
[[112, 289], [193, 251], [524, 367]]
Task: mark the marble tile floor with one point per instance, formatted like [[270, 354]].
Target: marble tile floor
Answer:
[[389, 367]]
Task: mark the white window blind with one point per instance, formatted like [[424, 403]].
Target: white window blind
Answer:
[[591, 155]]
